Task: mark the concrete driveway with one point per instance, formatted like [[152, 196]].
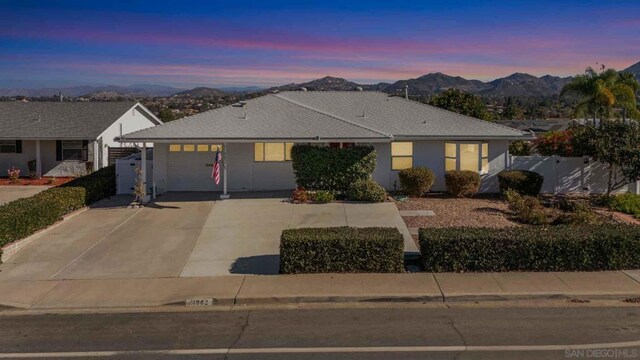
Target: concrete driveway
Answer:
[[9, 193], [183, 235]]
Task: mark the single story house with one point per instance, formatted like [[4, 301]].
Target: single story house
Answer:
[[66, 138], [256, 137]]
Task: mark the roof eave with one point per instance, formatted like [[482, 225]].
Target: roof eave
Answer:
[[465, 137], [251, 139], [50, 138]]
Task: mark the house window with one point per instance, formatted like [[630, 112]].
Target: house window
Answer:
[[175, 147], [188, 147], [401, 155], [8, 146], [272, 151], [342, 145], [216, 147], [74, 150], [467, 156]]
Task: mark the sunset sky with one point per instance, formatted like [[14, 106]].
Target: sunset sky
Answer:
[[239, 43]]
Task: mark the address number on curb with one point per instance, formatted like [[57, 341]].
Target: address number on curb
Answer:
[[200, 302]]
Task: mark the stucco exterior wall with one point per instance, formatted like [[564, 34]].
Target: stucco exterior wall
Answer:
[[18, 160], [430, 154], [191, 171]]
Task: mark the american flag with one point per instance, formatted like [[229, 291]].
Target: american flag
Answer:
[[215, 175]]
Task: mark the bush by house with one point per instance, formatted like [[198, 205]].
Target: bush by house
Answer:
[[341, 249], [557, 248]]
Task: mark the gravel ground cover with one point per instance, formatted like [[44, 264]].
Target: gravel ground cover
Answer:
[[481, 211]]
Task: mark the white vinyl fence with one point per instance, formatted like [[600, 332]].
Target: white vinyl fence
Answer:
[[126, 172], [564, 175]]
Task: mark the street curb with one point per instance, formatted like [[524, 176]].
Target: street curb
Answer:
[[11, 249], [338, 299]]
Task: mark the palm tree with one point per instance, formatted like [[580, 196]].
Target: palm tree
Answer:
[[601, 92]]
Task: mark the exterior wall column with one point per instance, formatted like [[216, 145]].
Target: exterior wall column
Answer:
[[143, 170], [38, 159]]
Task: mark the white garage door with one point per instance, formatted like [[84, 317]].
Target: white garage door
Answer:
[[191, 170]]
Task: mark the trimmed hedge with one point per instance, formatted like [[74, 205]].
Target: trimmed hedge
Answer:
[[332, 169], [462, 183], [366, 190], [23, 217], [341, 250], [416, 181], [627, 203], [556, 248], [99, 184], [523, 181]]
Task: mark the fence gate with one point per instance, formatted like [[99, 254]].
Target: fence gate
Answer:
[[126, 174]]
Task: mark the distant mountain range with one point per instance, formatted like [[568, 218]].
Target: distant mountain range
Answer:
[[513, 85], [518, 84], [98, 91]]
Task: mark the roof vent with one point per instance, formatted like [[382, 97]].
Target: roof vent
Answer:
[[359, 88], [303, 89]]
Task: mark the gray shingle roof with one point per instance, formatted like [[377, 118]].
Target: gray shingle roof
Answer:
[[327, 115], [58, 120]]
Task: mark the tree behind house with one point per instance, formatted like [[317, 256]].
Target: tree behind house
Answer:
[[461, 103], [600, 93]]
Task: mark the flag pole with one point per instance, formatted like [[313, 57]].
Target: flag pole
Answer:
[[224, 195]]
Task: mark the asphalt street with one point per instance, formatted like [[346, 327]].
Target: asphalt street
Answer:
[[329, 333]]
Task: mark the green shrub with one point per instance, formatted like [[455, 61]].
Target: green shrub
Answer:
[[366, 190], [577, 212], [23, 217], [341, 250], [515, 200], [556, 248], [416, 181], [521, 148], [523, 181], [323, 197], [332, 169], [99, 184], [626, 203], [527, 209], [462, 183]]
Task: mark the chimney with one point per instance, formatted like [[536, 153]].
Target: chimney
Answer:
[[406, 91]]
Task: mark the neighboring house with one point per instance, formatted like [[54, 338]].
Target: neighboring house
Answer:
[[66, 138], [541, 126], [257, 136]]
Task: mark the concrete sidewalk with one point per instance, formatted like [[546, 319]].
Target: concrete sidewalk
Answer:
[[331, 288]]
